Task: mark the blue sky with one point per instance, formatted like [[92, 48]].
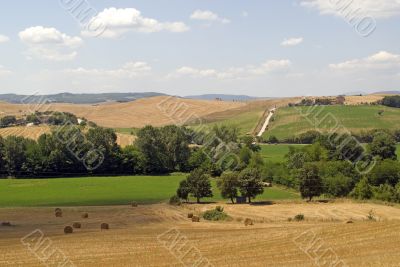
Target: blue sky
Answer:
[[186, 47]]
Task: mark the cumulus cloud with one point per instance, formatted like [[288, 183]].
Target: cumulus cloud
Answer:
[[117, 22], [292, 41], [4, 71], [128, 70], [49, 43], [356, 8], [209, 16], [234, 72], [4, 39], [381, 60]]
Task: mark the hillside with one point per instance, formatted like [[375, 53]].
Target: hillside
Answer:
[[156, 111], [34, 132], [76, 98], [290, 122], [249, 117]]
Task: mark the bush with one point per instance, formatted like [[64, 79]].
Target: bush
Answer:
[[299, 217], [175, 201], [215, 215]]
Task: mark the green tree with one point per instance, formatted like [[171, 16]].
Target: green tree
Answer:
[[13, 154], [383, 146], [228, 185], [183, 190], [199, 184], [362, 190], [310, 182], [250, 183], [386, 171]]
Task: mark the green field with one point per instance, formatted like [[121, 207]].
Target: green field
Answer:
[[103, 191], [289, 121], [275, 153], [245, 121]]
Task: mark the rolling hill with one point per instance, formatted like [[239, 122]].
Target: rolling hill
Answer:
[[289, 121]]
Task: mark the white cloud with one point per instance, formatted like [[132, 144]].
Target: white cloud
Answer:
[[245, 14], [128, 70], [292, 41], [4, 71], [209, 16], [49, 44], [116, 22], [234, 72], [356, 8], [4, 39], [379, 61]]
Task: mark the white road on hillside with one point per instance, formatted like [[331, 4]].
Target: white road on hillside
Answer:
[[266, 123]]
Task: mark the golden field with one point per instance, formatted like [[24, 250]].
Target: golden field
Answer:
[[159, 235]]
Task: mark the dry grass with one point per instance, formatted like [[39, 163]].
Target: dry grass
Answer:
[[135, 114], [35, 132], [357, 100], [132, 241]]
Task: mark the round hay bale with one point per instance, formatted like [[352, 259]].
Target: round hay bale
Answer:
[[59, 214], [68, 230], [85, 215], [248, 222], [349, 222], [76, 225], [57, 210], [190, 215], [104, 226], [195, 218], [134, 204], [8, 224]]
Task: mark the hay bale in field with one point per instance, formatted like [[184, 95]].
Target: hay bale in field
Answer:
[[349, 222], [58, 214], [8, 224], [57, 210], [134, 204], [76, 225], [190, 215], [68, 230], [248, 222], [104, 226], [195, 218], [85, 215]]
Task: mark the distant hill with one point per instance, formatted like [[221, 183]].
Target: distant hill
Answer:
[[76, 98], [387, 93], [224, 97]]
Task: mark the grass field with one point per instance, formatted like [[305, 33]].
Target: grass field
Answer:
[[275, 153], [245, 122], [102, 191], [289, 121]]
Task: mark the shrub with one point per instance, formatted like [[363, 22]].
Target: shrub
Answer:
[[215, 215], [175, 201], [299, 217], [219, 208]]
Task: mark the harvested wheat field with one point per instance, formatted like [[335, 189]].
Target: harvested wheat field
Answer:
[[156, 111], [162, 235], [35, 132]]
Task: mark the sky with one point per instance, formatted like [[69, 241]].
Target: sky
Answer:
[[265, 48]]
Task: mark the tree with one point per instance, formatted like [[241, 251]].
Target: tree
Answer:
[[7, 121], [250, 183], [226, 133], [310, 182], [14, 154], [199, 184], [362, 190], [150, 143], [228, 185], [183, 190], [176, 142], [386, 171], [383, 146]]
